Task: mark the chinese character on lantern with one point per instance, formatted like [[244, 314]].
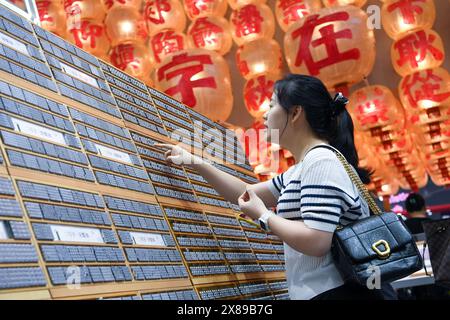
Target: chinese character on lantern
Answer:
[[195, 7], [407, 8], [328, 39], [204, 32], [122, 55], [42, 7], [247, 21], [257, 94], [154, 10], [165, 43], [292, 10], [428, 87], [87, 32], [182, 66]]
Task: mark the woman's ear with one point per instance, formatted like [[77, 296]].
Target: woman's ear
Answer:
[[296, 114]]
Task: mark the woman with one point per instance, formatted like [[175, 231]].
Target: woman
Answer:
[[312, 196]]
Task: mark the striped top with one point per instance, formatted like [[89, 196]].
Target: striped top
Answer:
[[319, 192]]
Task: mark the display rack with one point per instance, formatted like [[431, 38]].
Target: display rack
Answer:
[[89, 207]]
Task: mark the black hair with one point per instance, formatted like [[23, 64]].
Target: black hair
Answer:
[[414, 202], [327, 116]]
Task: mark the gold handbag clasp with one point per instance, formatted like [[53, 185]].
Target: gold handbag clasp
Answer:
[[382, 254]]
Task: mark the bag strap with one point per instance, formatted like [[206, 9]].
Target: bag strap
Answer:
[[353, 177]]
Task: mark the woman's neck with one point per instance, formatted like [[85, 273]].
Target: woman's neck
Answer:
[[300, 149]]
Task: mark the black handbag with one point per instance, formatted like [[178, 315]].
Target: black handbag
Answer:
[[379, 244]]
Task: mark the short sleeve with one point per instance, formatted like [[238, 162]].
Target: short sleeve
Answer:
[[326, 192], [276, 184]]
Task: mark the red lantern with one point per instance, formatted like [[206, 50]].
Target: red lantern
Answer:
[[167, 42], [257, 94], [337, 3], [164, 14], [252, 22], [236, 4], [374, 107], [200, 79], [91, 36], [132, 58], [259, 57], [211, 33], [417, 51], [402, 16], [124, 24], [333, 44], [205, 8], [290, 11], [425, 89], [52, 16], [79, 10], [137, 4]]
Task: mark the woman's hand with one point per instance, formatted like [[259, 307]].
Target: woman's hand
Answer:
[[176, 154], [251, 205]]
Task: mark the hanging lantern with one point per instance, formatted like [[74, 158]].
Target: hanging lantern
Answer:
[[164, 14], [210, 33], [425, 89], [374, 107], [257, 94], [109, 4], [400, 16], [52, 16], [167, 42], [289, 11], [204, 8], [333, 44], [81, 10], [91, 37], [255, 144], [133, 58], [200, 79], [338, 3], [259, 57], [252, 22], [417, 51], [19, 4], [236, 4], [124, 24]]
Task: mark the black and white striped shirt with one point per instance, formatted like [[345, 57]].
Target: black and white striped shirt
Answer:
[[319, 192]]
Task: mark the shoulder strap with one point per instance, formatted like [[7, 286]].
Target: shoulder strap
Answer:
[[353, 177]]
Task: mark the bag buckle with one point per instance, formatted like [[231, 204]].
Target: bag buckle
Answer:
[[382, 254]]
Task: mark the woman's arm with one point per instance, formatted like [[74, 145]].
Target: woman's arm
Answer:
[[227, 185]]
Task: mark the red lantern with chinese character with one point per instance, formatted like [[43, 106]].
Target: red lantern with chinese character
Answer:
[[425, 89], [257, 94], [290, 11], [255, 145], [402, 16], [236, 4], [259, 57], [122, 3], [337, 3], [374, 107], [124, 24], [333, 44], [417, 51], [91, 36], [252, 22], [164, 14], [205, 8], [52, 16], [78, 10], [133, 58], [200, 79], [166, 43], [211, 33]]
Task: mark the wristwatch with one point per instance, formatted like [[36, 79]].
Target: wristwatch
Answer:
[[264, 220]]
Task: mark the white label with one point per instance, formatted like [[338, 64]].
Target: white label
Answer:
[[74, 234], [13, 44], [113, 154], [38, 131], [148, 239], [79, 75], [3, 232]]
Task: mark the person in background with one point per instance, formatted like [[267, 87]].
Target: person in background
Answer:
[[415, 206]]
